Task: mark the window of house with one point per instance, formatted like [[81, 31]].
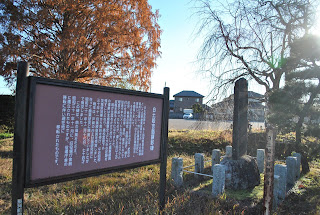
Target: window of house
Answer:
[[197, 100], [180, 99]]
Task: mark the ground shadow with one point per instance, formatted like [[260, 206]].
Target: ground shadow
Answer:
[[6, 154], [301, 203]]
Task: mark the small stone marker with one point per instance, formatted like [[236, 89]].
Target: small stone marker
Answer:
[[276, 182], [216, 156], [298, 156], [218, 182], [176, 171], [199, 162], [281, 171], [291, 171], [240, 119], [260, 159], [228, 151]]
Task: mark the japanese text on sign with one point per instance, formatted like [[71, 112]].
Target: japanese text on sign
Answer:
[[100, 125]]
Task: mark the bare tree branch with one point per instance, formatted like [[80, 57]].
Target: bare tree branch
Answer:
[[250, 38]]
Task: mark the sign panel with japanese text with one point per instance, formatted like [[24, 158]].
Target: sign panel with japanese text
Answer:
[[81, 129]]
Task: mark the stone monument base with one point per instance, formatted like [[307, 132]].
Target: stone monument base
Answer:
[[241, 174]]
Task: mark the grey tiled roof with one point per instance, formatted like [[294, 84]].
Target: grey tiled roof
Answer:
[[186, 93], [252, 94]]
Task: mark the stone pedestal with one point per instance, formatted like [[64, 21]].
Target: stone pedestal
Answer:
[[241, 174]]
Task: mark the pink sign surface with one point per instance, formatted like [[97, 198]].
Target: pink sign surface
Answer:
[[78, 130]]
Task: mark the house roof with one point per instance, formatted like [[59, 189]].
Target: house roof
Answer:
[[186, 93], [229, 99], [255, 105], [252, 94]]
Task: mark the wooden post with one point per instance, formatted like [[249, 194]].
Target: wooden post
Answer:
[[18, 170], [269, 171], [163, 166]]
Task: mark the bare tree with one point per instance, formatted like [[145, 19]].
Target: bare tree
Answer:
[[254, 39], [251, 39]]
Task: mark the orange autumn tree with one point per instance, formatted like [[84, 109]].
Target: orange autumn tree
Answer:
[[106, 42]]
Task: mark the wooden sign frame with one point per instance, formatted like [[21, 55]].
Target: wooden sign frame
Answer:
[[24, 135]]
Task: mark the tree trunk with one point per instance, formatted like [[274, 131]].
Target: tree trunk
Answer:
[[298, 134], [299, 148], [305, 163]]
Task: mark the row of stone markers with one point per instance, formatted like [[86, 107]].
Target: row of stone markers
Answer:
[[284, 175], [218, 171]]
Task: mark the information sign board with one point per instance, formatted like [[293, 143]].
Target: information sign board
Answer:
[[76, 130]]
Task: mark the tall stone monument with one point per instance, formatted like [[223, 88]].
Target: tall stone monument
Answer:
[[241, 170], [240, 119]]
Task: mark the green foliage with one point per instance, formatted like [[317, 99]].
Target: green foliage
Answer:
[[5, 135], [286, 105], [197, 108], [313, 130], [275, 63], [285, 146], [298, 100], [307, 48], [5, 129]]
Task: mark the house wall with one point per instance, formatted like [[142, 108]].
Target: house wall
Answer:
[[256, 115], [186, 103], [223, 111]]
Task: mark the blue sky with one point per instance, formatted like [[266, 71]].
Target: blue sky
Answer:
[[179, 46], [177, 67]]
